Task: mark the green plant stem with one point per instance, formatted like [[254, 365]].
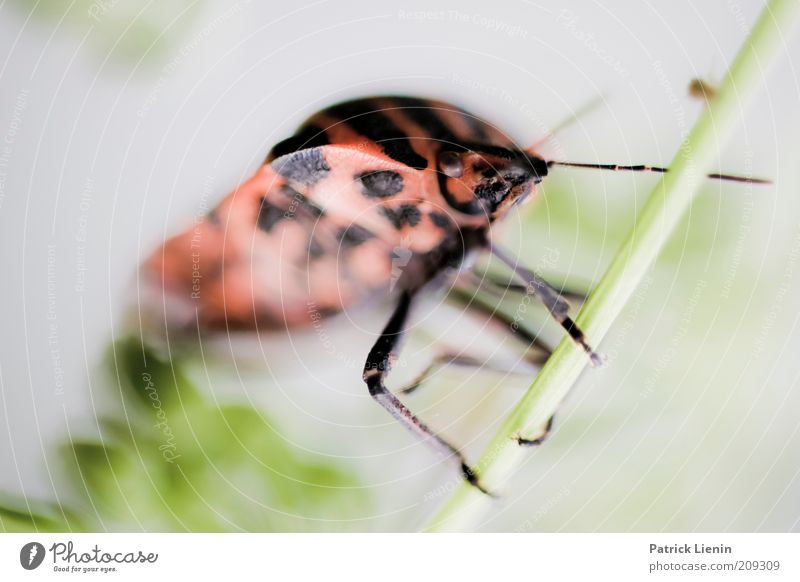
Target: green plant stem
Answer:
[[665, 207]]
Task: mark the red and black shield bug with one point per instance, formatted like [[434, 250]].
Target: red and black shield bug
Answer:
[[320, 221]]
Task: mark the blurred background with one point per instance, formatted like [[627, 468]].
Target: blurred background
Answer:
[[122, 121]]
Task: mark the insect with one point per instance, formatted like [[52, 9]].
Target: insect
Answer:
[[320, 222]]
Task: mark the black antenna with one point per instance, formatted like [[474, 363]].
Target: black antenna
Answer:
[[655, 169]]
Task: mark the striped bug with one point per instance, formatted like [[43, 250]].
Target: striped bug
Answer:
[[321, 220]]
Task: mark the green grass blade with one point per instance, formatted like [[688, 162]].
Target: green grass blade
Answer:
[[665, 208]]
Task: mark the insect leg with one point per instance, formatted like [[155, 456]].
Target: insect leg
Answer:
[[551, 299], [497, 284], [440, 361], [535, 352], [377, 367], [450, 358], [548, 428]]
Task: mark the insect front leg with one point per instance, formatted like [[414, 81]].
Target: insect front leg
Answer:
[[543, 436], [377, 367], [552, 300]]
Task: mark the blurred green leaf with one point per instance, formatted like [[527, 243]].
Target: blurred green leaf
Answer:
[[169, 460], [24, 515], [126, 31]]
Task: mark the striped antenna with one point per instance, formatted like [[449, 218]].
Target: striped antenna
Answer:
[[655, 169]]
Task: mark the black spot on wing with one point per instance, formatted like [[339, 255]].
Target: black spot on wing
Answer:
[[353, 235], [392, 215], [380, 184], [312, 208], [307, 137], [315, 249], [269, 215], [405, 214], [213, 217], [365, 118], [299, 202], [411, 214], [305, 167], [439, 219]]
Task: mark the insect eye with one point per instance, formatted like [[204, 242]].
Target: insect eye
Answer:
[[450, 164]]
